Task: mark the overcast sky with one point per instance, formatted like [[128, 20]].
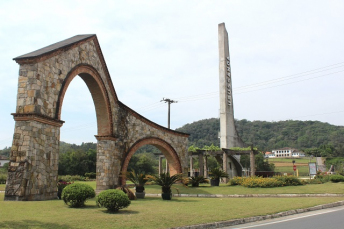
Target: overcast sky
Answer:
[[286, 57]]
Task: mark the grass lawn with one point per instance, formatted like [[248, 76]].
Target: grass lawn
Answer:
[[146, 213], [303, 170], [337, 188], [304, 160]]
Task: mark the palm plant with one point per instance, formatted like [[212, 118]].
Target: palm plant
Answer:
[[215, 175], [139, 180], [166, 181], [195, 181]]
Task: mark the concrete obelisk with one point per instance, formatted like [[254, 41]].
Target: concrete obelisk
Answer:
[[228, 134]]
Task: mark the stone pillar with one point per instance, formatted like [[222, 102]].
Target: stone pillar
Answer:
[[201, 164], [205, 166], [33, 166], [225, 165], [160, 164], [108, 165], [252, 164], [191, 166]]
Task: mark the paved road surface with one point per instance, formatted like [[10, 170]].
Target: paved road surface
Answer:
[[331, 218]]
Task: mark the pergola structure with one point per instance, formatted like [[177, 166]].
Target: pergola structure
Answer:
[[222, 157]]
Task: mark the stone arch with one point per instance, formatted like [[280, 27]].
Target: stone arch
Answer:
[[44, 77], [98, 92], [165, 148]]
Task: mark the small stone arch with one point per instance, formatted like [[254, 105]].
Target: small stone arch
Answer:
[[165, 148]]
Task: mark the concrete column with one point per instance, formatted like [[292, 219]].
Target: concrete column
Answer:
[[167, 167], [225, 165], [191, 167], [252, 164], [160, 164], [205, 166], [201, 164]]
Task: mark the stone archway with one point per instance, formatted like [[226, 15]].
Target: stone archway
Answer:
[[44, 77], [165, 148], [98, 92]]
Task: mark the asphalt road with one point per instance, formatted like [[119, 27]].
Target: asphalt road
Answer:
[[331, 218]]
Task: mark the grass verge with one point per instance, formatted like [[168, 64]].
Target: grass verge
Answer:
[[145, 213]]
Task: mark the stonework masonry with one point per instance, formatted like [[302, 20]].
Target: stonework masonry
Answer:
[[44, 76]]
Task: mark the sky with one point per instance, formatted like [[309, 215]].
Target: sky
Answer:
[[286, 58]]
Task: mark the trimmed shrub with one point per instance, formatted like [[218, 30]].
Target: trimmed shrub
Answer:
[[113, 200], [336, 178], [289, 180], [75, 195], [236, 180], [260, 182]]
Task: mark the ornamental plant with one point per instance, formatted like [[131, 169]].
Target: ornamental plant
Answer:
[[139, 179], [113, 200], [195, 181], [61, 184], [236, 180], [289, 180], [336, 178], [75, 195], [260, 182], [166, 181]]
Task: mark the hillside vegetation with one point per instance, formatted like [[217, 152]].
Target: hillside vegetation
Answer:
[[271, 135]]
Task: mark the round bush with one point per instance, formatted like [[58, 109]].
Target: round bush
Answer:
[[113, 200], [336, 178], [75, 195]]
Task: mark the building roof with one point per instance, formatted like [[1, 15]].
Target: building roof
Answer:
[[3, 157], [54, 47]]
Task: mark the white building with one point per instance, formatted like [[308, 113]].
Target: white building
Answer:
[[3, 160], [286, 152]]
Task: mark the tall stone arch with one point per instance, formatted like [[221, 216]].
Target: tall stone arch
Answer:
[[44, 77]]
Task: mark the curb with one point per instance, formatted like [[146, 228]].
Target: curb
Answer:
[[260, 218], [250, 195]]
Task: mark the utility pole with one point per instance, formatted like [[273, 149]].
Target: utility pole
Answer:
[[169, 101]]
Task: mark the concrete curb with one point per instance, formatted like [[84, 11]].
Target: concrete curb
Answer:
[[250, 195], [260, 218]]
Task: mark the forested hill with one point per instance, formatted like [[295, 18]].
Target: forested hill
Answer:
[[269, 135]]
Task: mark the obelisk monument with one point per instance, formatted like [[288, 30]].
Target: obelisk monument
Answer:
[[228, 134]]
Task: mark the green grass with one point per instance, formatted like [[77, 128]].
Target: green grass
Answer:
[[336, 188], [145, 213], [289, 160], [303, 170]]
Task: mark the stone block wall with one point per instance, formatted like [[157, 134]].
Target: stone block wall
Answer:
[[33, 166]]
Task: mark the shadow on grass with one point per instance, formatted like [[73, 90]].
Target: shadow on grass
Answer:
[[31, 224], [121, 212]]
